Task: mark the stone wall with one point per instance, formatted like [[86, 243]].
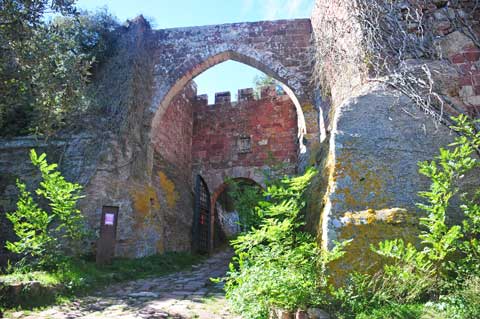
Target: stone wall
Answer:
[[173, 139], [339, 65], [369, 181], [138, 155], [278, 48], [241, 139]]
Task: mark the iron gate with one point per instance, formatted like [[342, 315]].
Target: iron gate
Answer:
[[201, 218]]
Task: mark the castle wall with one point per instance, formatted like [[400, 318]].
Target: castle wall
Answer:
[[149, 136], [173, 139], [244, 138], [171, 174]]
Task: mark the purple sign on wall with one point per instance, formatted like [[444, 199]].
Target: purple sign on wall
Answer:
[[109, 219]]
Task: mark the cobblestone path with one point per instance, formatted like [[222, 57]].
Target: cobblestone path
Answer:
[[187, 294]]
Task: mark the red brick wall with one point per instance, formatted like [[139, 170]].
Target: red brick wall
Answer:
[[271, 124], [468, 62], [173, 139]]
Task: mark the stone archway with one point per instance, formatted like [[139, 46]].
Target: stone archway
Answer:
[[222, 189], [274, 123], [162, 102], [154, 195], [280, 49]]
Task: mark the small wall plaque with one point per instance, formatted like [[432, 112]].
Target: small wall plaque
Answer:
[[244, 144]]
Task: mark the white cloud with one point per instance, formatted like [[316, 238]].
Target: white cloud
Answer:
[[284, 9], [293, 7], [246, 6]]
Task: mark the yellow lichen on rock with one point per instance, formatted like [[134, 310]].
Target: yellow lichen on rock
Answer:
[[144, 199], [366, 228], [148, 222], [160, 246], [169, 189], [394, 215], [366, 187]]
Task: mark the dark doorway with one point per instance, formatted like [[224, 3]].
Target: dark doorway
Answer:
[[227, 218]]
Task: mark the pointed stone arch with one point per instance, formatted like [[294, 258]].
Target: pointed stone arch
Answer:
[[281, 49], [194, 66]]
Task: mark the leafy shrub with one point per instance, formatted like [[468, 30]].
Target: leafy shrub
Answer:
[[439, 240], [394, 311], [246, 198], [464, 303], [43, 235], [276, 263]]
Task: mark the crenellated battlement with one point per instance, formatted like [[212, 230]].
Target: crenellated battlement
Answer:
[[246, 94]]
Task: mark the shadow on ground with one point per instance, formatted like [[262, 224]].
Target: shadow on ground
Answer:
[[186, 294]]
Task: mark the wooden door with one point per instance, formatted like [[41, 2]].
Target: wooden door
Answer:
[[108, 234]]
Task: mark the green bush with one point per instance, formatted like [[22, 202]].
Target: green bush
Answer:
[[46, 235], [463, 303], [277, 264], [246, 198], [394, 311], [441, 241]]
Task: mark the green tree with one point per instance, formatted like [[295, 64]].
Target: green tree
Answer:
[[45, 235], [264, 80], [45, 65], [246, 197]]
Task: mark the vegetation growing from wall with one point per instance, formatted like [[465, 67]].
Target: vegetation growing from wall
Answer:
[[398, 45], [46, 64]]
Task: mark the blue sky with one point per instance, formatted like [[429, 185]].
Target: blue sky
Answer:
[[227, 76]]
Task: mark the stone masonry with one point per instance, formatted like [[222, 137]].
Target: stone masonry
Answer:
[[376, 135], [242, 139]]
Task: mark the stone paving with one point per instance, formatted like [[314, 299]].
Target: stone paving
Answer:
[[187, 294]]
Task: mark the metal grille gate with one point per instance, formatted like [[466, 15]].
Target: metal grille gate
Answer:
[[201, 218]]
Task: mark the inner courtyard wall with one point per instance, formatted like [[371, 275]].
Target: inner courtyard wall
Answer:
[[244, 138]]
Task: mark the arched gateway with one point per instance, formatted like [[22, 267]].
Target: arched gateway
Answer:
[[280, 49]]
